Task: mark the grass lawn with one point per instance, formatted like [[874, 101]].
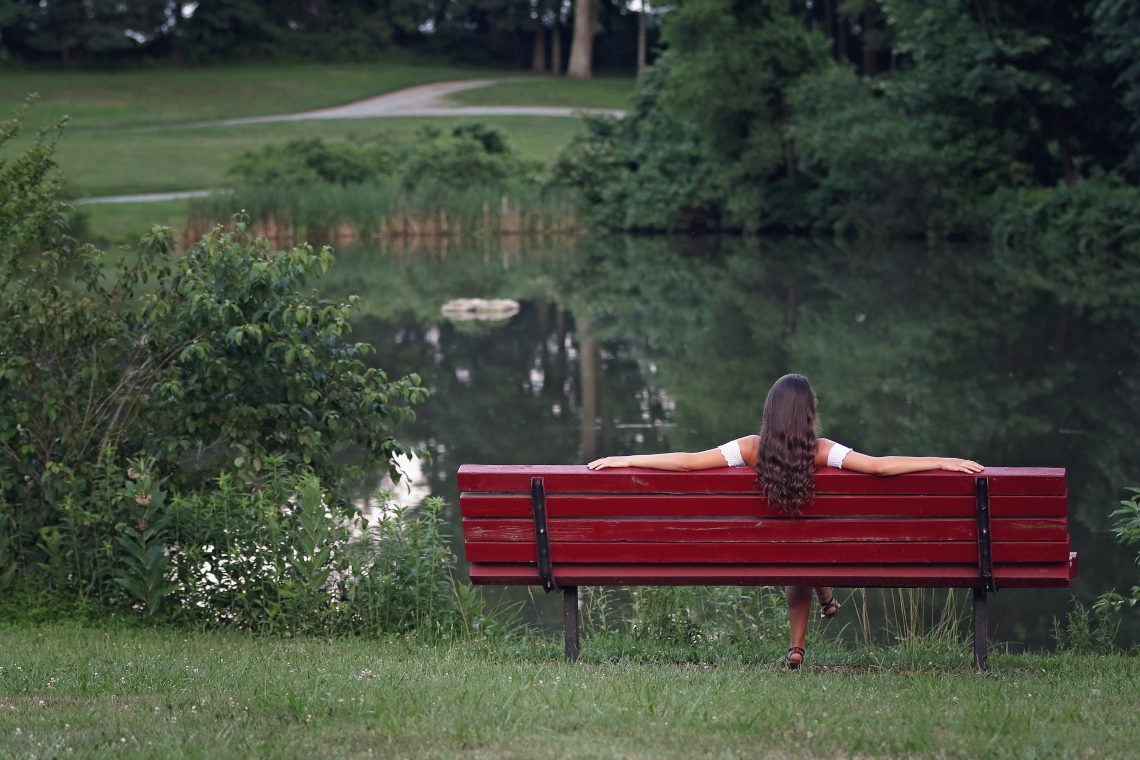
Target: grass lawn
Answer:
[[98, 693], [127, 132], [124, 223], [603, 92], [174, 158], [111, 99]]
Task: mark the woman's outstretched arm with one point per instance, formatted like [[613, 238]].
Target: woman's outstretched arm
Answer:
[[892, 465], [680, 461]]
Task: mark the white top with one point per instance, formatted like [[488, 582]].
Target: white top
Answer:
[[731, 453], [732, 456], [836, 455]]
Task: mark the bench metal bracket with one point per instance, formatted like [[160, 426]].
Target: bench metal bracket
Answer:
[[985, 543], [542, 535]]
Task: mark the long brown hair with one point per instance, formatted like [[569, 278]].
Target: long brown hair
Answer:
[[785, 469]]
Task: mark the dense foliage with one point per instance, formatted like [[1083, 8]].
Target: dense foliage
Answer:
[[1127, 531], [176, 434], [467, 155], [500, 31], [758, 118], [461, 182]]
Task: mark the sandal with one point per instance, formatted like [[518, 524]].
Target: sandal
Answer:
[[795, 652], [829, 608]]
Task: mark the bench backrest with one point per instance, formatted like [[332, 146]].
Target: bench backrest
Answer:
[[645, 527]]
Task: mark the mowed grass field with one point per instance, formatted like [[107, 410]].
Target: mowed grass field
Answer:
[[77, 692], [141, 131], [175, 96]]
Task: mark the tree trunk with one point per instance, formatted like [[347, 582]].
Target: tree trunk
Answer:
[[841, 27], [870, 67], [1064, 150], [556, 49], [830, 27], [641, 34], [582, 45], [538, 56]]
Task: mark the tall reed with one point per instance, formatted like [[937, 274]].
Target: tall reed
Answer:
[[908, 617], [385, 210]]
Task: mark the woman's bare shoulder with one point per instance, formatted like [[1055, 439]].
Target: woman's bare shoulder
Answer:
[[750, 449], [822, 449]]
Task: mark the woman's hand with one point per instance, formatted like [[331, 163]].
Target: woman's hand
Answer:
[[961, 465], [607, 462]]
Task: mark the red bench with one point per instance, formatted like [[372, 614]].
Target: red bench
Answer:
[[566, 526]]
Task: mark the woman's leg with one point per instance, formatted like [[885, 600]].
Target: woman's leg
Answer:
[[828, 606], [799, 604]]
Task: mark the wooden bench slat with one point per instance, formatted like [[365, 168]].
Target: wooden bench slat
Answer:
[[885, 553], [1004, 481], [753, 505], [748, 530], [841, 575]]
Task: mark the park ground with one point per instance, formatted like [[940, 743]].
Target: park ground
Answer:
[[149, 131], [97, 692]]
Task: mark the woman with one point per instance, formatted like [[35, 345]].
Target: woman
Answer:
[[785, 455]]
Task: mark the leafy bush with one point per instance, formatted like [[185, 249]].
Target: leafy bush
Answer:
[[1127, 532], [460, 182], [305, 161], [1085, 631], [873, 169], [648, 171], [467, 156], [180, 410], [285, 557]]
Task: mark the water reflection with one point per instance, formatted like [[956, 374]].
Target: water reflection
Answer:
[[634, 345]]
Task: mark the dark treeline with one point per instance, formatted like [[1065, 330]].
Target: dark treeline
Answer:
[[540, 34], [889, 118]]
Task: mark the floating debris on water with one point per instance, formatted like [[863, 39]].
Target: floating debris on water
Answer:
[[466, 309]]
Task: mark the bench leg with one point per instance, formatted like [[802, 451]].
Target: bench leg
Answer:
[[980, 639], [570, 620]]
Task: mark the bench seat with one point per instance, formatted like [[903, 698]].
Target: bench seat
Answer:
[[625, 527]]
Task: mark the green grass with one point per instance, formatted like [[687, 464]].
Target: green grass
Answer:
[[170, 159], [127, 693], [113, 99], [127, 132], [99, 163], [605, 92], [124, 223]]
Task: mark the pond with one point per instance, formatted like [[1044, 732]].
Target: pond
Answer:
[[634, 345]]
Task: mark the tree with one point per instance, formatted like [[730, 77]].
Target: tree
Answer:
[[1117, 25], [81, 30], [582, 46]]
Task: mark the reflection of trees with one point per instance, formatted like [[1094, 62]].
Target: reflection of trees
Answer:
[[909, 354]]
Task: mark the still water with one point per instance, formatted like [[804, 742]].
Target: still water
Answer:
[[633, 345]]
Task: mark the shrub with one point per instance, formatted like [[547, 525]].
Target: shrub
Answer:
[[467, 156], [197, 370], [873, 169], [1127, 532], [299, 162]]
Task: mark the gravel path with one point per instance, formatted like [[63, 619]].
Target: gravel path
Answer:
[[425, 100], [144, 197]]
